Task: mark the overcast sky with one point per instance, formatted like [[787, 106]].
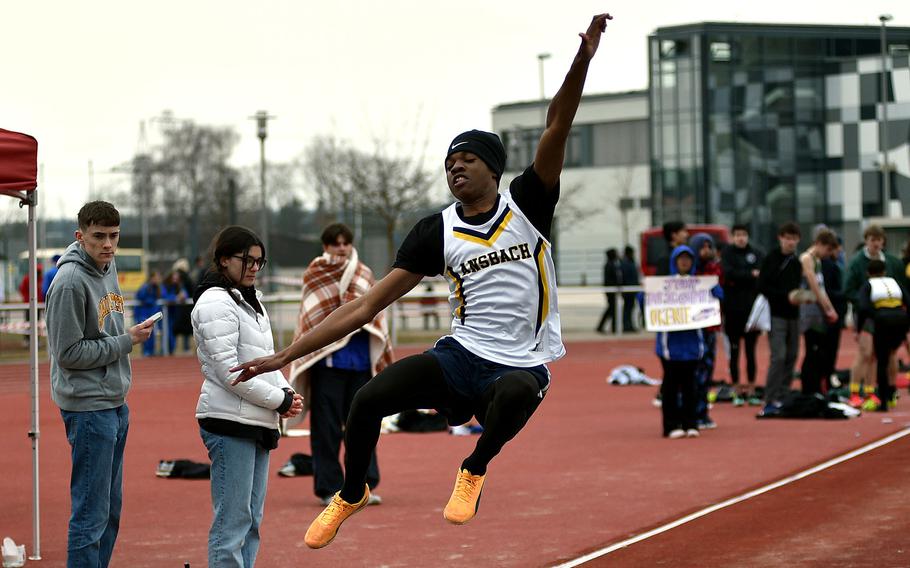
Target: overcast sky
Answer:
[[80, 76]]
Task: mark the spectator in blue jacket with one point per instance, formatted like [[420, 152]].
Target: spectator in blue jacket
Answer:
[[147, 297], [680, 352], [49, 275]]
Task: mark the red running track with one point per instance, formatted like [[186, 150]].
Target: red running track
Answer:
[[590, 469], [851, 515]]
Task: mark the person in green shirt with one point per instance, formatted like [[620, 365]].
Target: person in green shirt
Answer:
[[863, 370]]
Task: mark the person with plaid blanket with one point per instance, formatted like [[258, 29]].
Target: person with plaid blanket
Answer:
[[494, 249], [330, 377]]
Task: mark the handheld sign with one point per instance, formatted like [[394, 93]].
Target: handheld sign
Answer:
[[676, 303]]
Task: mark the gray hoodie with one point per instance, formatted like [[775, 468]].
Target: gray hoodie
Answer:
[[87, 337]]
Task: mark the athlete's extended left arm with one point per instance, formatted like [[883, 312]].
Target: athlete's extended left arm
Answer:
[[551, 149]]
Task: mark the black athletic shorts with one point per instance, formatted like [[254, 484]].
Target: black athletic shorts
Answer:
[[468, 376]]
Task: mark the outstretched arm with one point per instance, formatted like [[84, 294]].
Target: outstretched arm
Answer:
[[551, 149], [347, 318]]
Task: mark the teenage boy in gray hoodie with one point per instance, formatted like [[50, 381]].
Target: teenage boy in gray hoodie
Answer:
[[89, 346]]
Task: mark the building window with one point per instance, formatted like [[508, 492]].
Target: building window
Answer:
[[720, 51], [521, 146], [620, 143], [672, 48], [578, 147]]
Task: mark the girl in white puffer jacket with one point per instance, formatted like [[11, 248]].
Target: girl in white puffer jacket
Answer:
[[238, 424]]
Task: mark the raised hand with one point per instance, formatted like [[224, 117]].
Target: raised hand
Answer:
[[590, 40], [257, 366]]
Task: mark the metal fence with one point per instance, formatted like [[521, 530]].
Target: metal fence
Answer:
[[580, 310]]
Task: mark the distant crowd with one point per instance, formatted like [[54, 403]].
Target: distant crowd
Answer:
[[809, 295]]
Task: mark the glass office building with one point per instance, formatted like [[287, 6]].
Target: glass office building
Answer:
[[763, 124]]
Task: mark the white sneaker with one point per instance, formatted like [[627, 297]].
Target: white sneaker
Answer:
[[13, 554], [676, 434], [290, 470], [165, 468], [692, 433], [461, 430]]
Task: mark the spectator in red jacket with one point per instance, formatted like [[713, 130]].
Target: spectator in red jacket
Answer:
[[26, 296], [706, 264], [24, 287]]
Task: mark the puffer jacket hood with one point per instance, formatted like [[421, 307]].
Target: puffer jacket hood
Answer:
[[217, 280], [681, 249], [210, 280], [697, 241]]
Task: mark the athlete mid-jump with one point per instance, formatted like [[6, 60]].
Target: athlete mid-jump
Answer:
[[494, 249]]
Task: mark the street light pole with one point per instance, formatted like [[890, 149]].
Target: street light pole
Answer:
[[541, 57], [554, 229], [262, 119], [883, 127]]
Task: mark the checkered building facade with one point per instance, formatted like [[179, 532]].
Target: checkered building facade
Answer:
[[763, 124]]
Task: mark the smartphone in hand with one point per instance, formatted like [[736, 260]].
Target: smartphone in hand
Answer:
[[153, 318]]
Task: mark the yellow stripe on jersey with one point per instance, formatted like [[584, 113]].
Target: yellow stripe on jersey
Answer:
[[475, 237], [459, 293], [888, 303], [543, 286]]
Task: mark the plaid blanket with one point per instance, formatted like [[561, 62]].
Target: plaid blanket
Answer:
[[329, 282]]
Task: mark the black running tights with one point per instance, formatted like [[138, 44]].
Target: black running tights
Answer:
[[417, 382], [748, 339]]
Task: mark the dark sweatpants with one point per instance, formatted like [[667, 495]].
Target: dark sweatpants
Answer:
[[332, 392], [503, 409], [810, 375], [735, 328], [677, 392]]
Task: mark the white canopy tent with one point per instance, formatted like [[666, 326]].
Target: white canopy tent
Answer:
[[19, 179]]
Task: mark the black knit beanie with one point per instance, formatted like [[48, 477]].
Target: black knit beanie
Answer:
[[485, 145]]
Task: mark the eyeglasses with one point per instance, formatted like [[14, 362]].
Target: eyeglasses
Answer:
[[251, 261]]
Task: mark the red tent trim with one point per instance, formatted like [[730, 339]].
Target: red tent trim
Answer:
[[18, 162]]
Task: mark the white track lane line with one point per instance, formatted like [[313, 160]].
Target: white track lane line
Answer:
[[732, 501]]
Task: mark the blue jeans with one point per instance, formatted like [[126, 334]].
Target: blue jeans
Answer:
[[240, 471], [97, 439]]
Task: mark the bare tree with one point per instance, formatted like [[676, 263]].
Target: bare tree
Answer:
[[282, 181], [193, 178], [623, 181], [345, 179], [573, 208]]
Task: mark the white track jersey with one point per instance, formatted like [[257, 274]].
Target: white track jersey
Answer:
[[502, 287], [885, 292]]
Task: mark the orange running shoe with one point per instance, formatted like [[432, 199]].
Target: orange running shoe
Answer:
[[856, 401], [324, 528], [465, 499]]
